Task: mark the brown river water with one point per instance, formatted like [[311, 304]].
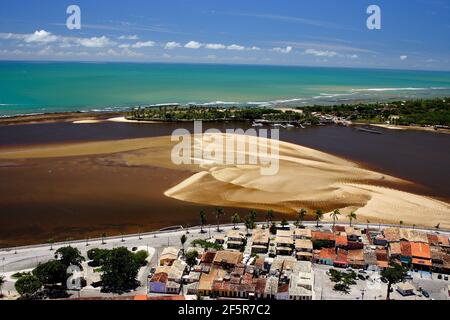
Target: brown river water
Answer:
[[82, 197]]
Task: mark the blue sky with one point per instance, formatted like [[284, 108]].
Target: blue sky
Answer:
[[414, 33]]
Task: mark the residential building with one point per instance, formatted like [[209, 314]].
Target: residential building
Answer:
[[302, 234], [235, 240], [304, 249], [227, 259], [421, 255], [168, 256], [260, 241]]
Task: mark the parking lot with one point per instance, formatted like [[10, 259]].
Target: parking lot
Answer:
[[374, 289]]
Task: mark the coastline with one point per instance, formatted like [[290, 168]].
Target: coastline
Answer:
[[120, 116]]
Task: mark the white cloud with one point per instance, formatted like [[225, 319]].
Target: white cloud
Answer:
[[40, 36], [353, 56], [321, 53], [288, 49], [254, 48], [95, 42], [124, 46], [403, 58], [172, 45], [193, 45], [215, 46], [236, 47], [145, 44], [211, 57], [131, 37]]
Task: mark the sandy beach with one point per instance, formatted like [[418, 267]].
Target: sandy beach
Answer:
[[307, 178]]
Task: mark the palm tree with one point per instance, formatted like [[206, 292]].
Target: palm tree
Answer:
[[368, 222], [335, 215], [319, 216], [202, 220], [249, 223], [269, 216], [183, 240], [218, 212], [253, 215], [437, 227], [401, 223], [301, 216], [351, 216], [50, 242], [235, 219], [2, 282]]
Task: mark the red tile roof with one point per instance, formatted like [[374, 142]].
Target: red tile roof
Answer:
[[420, 250], [160, 277], [327, 253], [405, 248], [341, 240], [319, 235], [208, 257]]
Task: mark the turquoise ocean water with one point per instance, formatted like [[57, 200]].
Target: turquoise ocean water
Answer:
[[39, 87]]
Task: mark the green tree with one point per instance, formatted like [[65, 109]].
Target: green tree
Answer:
[[249, 223], [319, 216], [119, 271], [70, 256], [52, 272], [352, 216], [284, 223], [253, 215], [218, 213], [395, 273], [28, 285], [235, 219], [335, 215], [301, 217], [203, 220], [141, 257], [183, 240], [269, 217], [191, 257]]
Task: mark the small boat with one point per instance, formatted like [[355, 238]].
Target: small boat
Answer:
[[290, 125], [255, 124], [302, 126]]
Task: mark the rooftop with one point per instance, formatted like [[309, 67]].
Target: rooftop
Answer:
[[303, 244], [420, 250], [228, 257]]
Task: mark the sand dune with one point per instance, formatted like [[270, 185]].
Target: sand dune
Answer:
[[307, 178], [311, 179]]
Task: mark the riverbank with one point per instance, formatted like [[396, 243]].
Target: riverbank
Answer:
[[80, 117]]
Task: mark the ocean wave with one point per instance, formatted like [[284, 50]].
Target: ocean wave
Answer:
[[398, 89]]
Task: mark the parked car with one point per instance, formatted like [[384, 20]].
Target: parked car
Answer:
[[361, 277], [446, 278], [384, 280], [440, 276], [425, 293]]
